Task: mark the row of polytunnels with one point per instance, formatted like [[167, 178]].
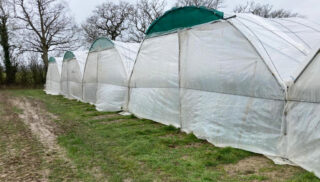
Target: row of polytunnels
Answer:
[[235, 80]]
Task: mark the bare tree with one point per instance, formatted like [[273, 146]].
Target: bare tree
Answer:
[[263, 10], [145, 12], [47, 27], [211, 4], [90, 30], [108, 19]]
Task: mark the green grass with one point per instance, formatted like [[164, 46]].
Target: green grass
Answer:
[[124, 148]]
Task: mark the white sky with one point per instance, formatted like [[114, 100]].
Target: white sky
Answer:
[[81, 9]]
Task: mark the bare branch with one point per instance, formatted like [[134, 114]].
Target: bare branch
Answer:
[[145, 12], [211, 4], [108, 19], [263, 10]]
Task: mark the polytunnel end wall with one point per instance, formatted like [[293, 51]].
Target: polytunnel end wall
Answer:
[[105, 80], [53, 78], [101, 44], [52, 60], [68, 56], [71, 77]]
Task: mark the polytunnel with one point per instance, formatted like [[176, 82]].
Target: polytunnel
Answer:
[[106, 74], [226, 79], [53, 77], [72, 73]]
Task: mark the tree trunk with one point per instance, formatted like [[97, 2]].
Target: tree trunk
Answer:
[[114, 36], [45, 59], [10, 69], [1, 75]]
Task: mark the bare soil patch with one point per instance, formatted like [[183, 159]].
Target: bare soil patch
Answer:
[[259, 165], [41, 125], [30, 145], [20, 153]]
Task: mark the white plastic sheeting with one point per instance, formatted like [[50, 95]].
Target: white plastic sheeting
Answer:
[[279, 46], [71, 75], [227, 82], [105, 81], [53, 78], [303, 118], [230, 78], [155, 81]]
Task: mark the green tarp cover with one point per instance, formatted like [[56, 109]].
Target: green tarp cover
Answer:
[[68, 55], [183, 17], [100, 44], [52, 60]]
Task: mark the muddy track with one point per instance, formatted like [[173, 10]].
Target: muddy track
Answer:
[[20, 153], [39, 127], [41, 124]]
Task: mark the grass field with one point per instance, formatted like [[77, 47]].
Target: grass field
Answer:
[[100, 146]]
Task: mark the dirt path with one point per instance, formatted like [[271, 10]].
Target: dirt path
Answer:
[[20, 153], [28, 141], [41, 124]]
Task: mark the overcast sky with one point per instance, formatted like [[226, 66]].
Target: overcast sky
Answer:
[[81, 9]]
